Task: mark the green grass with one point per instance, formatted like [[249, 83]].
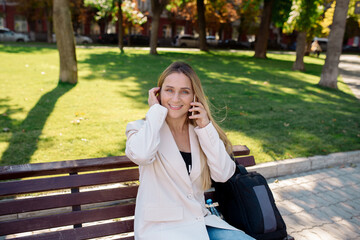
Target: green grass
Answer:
[[276, 112]]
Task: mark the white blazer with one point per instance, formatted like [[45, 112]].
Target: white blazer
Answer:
[[170, 203]]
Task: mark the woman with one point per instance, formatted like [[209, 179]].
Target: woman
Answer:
[[179, 148]]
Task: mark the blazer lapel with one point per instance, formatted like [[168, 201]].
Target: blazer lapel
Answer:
[[170, 154], [195, 154]]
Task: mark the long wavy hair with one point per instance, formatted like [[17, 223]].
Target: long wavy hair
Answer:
[[186, 69]]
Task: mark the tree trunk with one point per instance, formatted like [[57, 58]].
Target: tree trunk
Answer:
[[300, 52], [121, 27], [157, 7], [49, 31], [48, 19], [263, 33], [154, 33], [65, 41], [330, 69], [202, 25]]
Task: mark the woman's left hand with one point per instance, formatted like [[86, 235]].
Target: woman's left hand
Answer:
[[200, 115]]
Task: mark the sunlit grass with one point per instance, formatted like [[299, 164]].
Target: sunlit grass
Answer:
[[276, 112]]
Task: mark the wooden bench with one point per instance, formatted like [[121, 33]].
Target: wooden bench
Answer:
[[78, 199]]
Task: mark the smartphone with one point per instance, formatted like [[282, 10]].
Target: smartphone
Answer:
[[192, 113]]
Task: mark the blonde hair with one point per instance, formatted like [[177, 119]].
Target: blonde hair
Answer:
[[181, 67]]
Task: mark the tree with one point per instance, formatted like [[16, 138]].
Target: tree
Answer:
[[157, 7], [202, 25], [305, 14], [263, 33], [248, 12], [221, 13], [104, 10], [121, 25], [125, 12], [65, 41], [132, 16], [280, 14], [330, 69]]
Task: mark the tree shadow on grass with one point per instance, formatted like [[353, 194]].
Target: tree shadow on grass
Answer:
[[265, 100], [25, 136]]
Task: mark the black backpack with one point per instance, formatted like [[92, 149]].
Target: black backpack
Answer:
[[246, 202]]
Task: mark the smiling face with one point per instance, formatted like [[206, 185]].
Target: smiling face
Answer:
[[176, 95]]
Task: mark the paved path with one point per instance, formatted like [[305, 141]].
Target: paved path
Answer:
[[322, 204], [350, 72]]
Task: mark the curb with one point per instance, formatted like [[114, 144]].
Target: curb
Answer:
[[299, 165]]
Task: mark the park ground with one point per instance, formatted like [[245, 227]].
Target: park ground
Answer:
[[261, 103]]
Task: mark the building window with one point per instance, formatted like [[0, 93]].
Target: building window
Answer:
[[39, 26], [180, 30], [166, 31], [21, 24], [110, 28], [94, 28]]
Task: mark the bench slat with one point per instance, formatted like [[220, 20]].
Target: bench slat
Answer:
[[87, 232], [81, 165], [66, 200], [56, 183], [61, 167], [65, 219], [240, 150], [246, 161]]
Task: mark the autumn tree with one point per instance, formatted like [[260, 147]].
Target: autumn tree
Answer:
[[221, 13], [65, 41], [157, 7], [330, 69], [263, 33], [248, 12]]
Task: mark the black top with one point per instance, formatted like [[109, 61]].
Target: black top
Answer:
[[187, 158]]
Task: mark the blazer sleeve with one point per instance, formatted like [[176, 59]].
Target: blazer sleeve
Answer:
[[222, 167], [143, 136]]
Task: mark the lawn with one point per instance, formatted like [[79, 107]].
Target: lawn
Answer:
[[276, 112]]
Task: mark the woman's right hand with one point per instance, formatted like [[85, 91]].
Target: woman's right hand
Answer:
[[153, 99]]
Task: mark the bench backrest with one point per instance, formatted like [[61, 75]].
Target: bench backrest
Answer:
[[78, 199]]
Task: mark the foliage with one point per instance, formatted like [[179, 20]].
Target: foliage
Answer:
[[132, 13], [107, 9], [223, 11], [249, 12], [281, 11], [352, 21], [276, 112], [304, 15], [104, 8]]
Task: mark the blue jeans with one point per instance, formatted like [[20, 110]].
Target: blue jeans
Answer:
[[226, 234]]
